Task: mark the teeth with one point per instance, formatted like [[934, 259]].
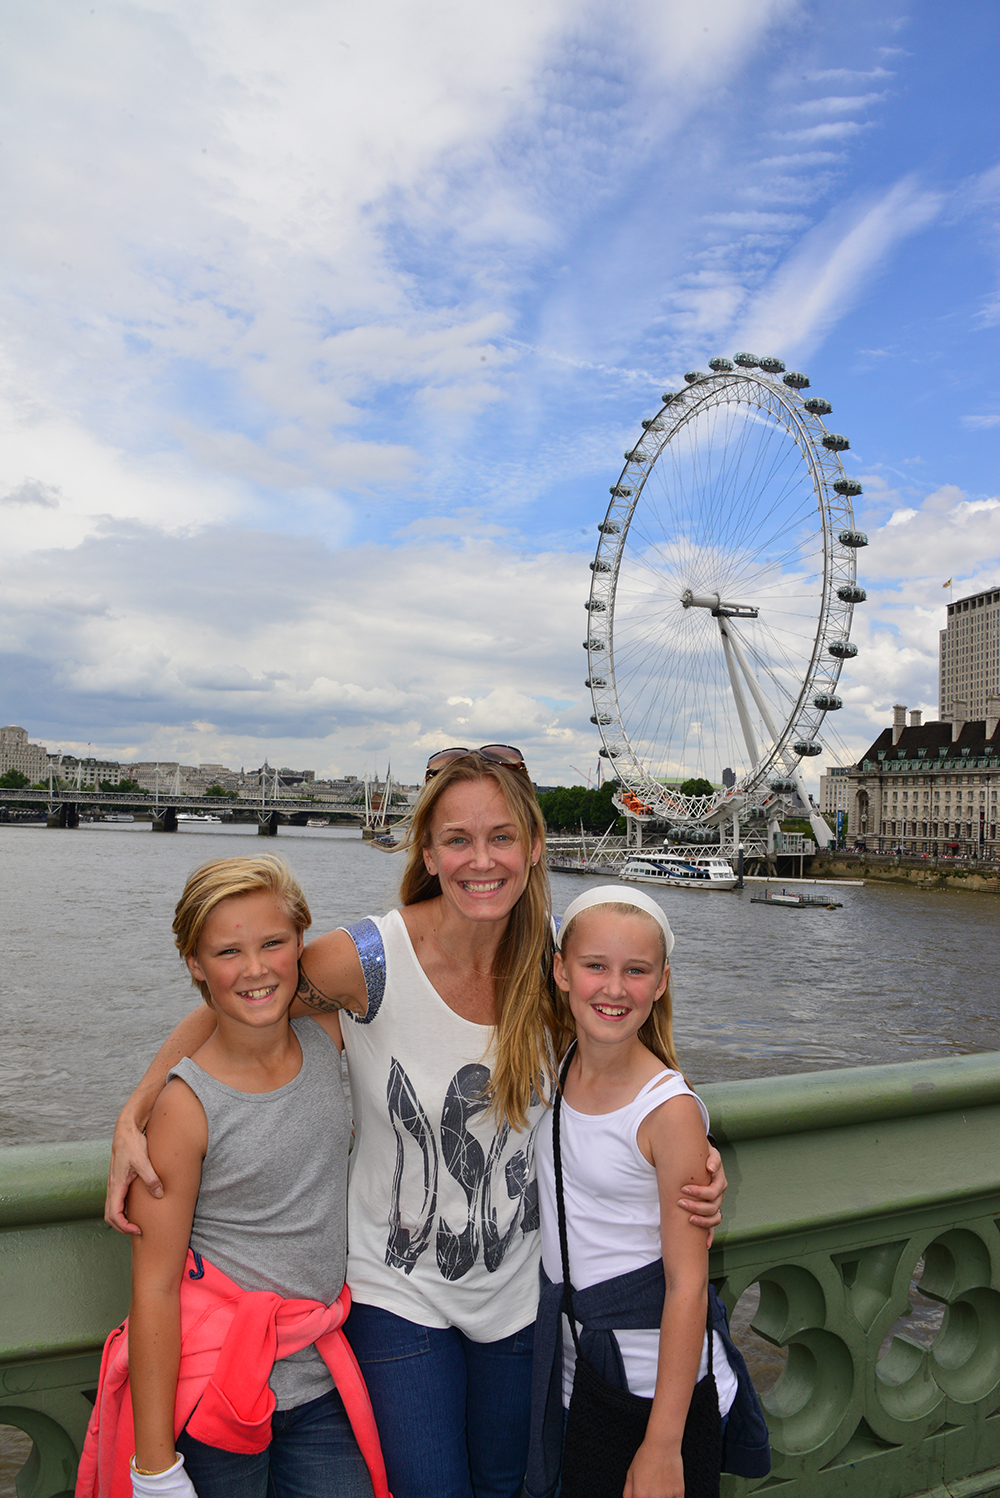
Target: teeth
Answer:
[[482, 889], [606, 1009], [257, 993]]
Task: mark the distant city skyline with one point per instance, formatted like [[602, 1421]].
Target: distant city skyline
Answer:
[[326, 327]]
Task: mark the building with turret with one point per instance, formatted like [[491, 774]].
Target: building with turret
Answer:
[[18, 753]]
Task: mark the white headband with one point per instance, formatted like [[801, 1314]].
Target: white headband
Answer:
[[613, 894]]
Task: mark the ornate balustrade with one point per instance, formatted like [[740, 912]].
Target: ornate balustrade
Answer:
[[845, 1189]]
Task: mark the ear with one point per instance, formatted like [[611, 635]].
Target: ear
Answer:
[[536, 850], [195, 970], [429, 862], [661, 987], [301, 943], [559, 972]]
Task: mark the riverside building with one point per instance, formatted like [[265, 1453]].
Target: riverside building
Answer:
[[930, 787], [969, 654]]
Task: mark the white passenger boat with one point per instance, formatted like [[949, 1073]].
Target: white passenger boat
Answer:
[[197, 816], [687, 871]]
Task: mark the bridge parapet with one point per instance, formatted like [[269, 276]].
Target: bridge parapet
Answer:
[[846, 1187]]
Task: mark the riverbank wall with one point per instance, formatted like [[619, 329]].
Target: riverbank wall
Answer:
[[854, 1197], [924, 873]]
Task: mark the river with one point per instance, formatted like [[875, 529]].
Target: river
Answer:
[[91, 982]]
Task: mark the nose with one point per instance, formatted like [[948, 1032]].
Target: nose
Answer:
[[482, 853], [255, 963], [614, 983]]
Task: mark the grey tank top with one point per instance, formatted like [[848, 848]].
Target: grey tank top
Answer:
[[272, 1204]]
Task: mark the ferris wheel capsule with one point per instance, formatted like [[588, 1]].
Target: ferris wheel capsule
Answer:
[[795, 381], [834, 442], [816, 406], [807, 748], [772, 366]]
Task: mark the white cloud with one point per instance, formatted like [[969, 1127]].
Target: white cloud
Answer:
[[832, 267]]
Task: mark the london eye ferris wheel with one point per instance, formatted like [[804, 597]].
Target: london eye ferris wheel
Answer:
[[723, 590]]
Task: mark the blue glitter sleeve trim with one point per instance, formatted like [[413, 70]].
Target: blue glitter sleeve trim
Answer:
[[368, 939]]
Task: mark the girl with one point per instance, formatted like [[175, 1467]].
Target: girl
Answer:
[[238, 1393], [631, 1136]]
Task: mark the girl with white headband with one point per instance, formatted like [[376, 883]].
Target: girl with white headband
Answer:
[[626, 1136]]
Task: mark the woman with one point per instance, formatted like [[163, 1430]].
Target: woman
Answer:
[[450, 1034]]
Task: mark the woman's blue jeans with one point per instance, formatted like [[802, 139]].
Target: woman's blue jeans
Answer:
[[452, 1414], [313, 1454]]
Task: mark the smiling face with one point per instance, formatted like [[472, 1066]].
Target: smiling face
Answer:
[[248, 954], [612, 968], [475, 852]]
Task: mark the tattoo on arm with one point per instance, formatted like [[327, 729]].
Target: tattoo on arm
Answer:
[[313, 997]]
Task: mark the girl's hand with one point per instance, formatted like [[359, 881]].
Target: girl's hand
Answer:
[[173, 1483], [129, 1162], [705, 1202], [655, 1473]]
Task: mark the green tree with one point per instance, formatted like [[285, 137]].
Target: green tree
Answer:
[[697, 786], [216, 790], [13, 780], [127, 787], [567, 807]]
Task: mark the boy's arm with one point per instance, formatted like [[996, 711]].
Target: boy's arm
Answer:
[[675, 1136], [178, 1137], [129, 1155]]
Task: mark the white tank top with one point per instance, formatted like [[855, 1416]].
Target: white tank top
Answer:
[[442, 1205], [612, 1220]]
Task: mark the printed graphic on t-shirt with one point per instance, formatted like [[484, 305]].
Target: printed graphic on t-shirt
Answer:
[[488, 1180]]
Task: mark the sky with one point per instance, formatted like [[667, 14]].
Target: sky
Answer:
[[324, 327]]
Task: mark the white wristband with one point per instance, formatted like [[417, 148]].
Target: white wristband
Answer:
[[172, 1483]]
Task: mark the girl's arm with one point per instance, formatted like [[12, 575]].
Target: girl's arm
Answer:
[[673, 1138], [330, 979], [178, 1137]]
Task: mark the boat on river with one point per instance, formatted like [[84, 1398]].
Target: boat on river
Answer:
[[197, 816], [794, 901], [682, 870], [318, 822]]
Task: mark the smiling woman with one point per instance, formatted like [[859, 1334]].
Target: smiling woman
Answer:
[[451, 1036]]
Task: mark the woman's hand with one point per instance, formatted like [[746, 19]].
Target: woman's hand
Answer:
[[655, 1473], [129, 1162], [705, 1202]]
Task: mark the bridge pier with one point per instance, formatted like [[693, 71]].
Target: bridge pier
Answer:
[[165, 820], [66, 814], [267, 824]]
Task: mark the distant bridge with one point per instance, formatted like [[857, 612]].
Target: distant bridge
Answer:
[[63, 807]]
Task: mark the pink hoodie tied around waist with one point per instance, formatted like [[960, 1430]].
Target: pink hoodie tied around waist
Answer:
[[230, 1341]]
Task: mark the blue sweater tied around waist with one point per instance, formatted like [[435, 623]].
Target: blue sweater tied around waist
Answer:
[[629, 1302]]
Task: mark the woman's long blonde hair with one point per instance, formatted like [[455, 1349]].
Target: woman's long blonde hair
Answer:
[[529, 1034]]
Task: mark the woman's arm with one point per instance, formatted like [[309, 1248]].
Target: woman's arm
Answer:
[[705, 1202], [178, 1137], [674, 1136], [331, 978], [129, 1155]]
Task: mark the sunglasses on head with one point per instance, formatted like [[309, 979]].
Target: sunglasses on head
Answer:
[[497, 754]]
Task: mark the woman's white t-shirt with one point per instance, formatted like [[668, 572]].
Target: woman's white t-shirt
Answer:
[[442, 1205], [613, 1220]]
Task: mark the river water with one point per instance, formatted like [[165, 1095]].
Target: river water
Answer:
[[90, 981]]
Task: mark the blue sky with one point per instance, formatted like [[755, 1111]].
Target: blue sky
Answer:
[[324, 328]]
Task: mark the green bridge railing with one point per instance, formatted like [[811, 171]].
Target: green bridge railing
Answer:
[[850, 1191]]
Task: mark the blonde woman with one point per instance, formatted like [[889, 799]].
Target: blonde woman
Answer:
[[451, 1038]]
